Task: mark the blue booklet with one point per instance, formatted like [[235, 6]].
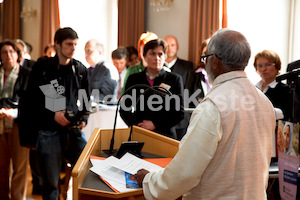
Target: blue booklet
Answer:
[[131, 181]]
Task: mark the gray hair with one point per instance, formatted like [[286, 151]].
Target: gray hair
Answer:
[[99, 46], [21, 42], [231, 47]]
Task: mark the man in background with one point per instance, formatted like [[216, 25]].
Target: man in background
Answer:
[[119, 59], [182, 68], [24, 62], [216, 158], [102, 76]]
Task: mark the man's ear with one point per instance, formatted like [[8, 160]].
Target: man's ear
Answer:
[[217, 65], [56, 45], [214, 62]]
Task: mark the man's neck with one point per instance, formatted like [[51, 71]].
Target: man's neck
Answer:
[[62, 60], [265, 83], [93, 63], [170, 59], [152, 73], [99, 60]]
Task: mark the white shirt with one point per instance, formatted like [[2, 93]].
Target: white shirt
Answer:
[[171, 64], [278, 111], [122, 76]]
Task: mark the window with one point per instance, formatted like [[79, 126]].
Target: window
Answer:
[[91, 19]]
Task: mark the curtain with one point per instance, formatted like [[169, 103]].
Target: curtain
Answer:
[[204, 21], [130, 21], [224, 14], [49, 23], [11, 16]]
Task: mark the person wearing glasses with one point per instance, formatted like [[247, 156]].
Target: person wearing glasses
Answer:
[[267, 64], [216, 157], [14, 159]]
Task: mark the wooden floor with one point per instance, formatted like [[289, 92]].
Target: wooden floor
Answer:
[[30, 196]]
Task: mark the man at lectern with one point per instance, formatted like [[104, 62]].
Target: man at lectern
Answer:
[[226, 151]]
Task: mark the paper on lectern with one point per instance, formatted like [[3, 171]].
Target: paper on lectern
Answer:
[[113, 171]]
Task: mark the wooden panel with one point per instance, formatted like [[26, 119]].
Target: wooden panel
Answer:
[[100, 140]]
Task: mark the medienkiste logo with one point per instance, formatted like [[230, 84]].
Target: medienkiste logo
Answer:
[[54, 100]]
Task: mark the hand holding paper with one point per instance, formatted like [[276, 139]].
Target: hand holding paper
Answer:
[[140, 175]]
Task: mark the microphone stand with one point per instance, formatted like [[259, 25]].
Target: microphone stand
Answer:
[[291, 78]]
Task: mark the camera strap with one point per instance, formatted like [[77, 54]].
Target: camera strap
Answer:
[[76, 78]]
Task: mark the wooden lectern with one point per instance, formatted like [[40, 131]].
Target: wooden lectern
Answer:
[[100, 140]]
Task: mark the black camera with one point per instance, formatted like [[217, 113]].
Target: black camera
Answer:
[[74, 125]]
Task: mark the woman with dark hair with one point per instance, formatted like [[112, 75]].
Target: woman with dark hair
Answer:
[[133, 56], [267, 64], [197, 81], [13, 186], [159, 94]]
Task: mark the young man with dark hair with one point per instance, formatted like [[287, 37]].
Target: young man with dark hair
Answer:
[[51, 103]]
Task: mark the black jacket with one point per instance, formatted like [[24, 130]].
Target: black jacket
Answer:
[[20, 86], [33, 114], [101, 79], [182, 67], [193, 84], [281, 97], [163, 120]]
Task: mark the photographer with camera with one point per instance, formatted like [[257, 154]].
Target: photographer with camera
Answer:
[[50, 117]]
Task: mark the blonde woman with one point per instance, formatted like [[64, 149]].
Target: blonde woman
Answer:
[[267, 64]]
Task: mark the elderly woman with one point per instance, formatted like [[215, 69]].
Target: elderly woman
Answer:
[[10, 149], [267, 64], [158, 109]]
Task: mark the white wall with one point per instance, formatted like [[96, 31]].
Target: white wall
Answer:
[[174, 21], [265, 24], [31, 26], [295, 54]]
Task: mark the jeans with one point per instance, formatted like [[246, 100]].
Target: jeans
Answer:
[[52, 148]]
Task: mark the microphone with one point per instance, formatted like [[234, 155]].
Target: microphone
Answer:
[[292, 75], [112, 141], [148, 88]]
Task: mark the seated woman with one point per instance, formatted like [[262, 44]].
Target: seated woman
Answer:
[[267, 64], [159, 102]]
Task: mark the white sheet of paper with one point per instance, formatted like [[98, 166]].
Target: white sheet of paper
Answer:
[[112, 169], [112, 175], [131, 164]]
